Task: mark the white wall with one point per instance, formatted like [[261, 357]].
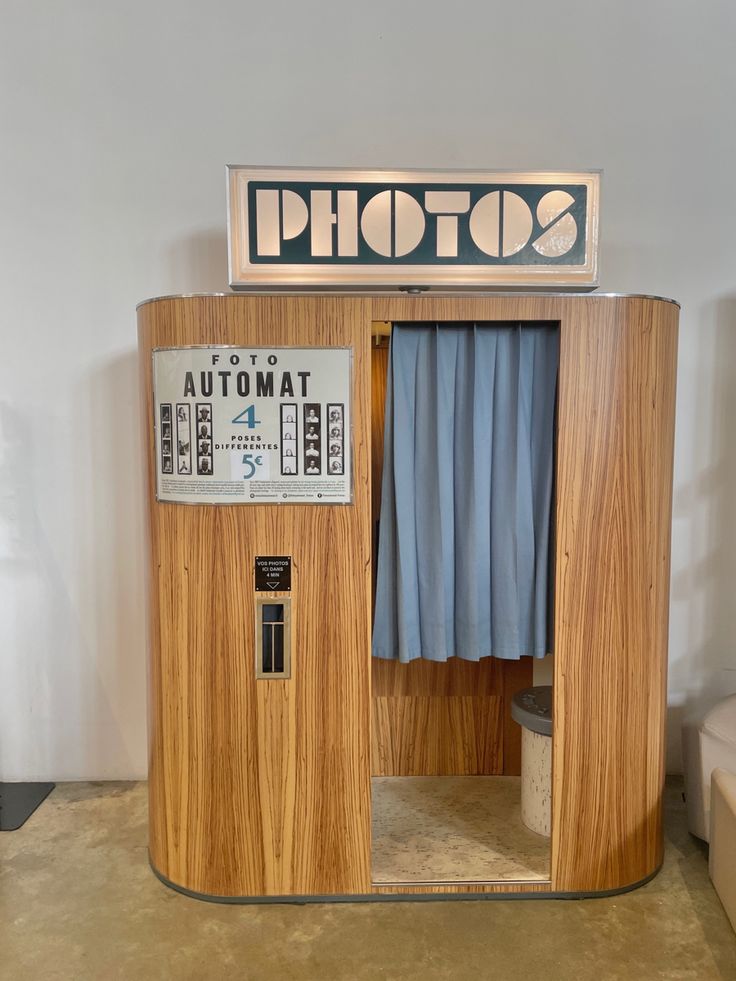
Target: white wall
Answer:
[[115, 123]]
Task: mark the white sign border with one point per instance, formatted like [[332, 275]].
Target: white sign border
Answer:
[[243, 276], [254, 347]]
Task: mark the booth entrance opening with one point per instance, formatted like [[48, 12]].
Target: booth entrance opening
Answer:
[[445, 750]]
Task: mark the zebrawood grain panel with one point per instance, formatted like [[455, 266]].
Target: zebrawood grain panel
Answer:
[[260, 787], [450, 719], [435, 678], [437, 735], [472, 888], [614, 495], [379, 369], [515, 676]]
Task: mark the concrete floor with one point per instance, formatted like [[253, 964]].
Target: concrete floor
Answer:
[[77, 901]]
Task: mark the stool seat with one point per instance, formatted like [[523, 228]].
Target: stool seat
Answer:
[[532, 708]]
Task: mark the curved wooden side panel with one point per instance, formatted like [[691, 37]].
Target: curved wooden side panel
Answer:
[[260, 787], [614, 494]]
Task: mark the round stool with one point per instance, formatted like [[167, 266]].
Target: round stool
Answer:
[[532, 709]]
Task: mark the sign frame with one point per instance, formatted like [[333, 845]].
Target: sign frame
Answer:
[[281, 275], [253, 347], [260, 574]]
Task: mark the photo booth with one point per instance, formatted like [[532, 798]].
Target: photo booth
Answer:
[[274, 733]]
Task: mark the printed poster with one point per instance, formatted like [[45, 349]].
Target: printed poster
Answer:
[[253, 425]]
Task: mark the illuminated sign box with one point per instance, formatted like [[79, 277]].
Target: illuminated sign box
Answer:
[[314, 229]]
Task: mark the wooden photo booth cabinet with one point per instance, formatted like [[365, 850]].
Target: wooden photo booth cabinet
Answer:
[[262, 788]]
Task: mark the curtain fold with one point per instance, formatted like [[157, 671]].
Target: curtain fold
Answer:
[[464, 538]]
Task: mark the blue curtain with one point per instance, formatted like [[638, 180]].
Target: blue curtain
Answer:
[[464, 540]]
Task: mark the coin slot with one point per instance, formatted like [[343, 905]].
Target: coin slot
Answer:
[[273, 636]]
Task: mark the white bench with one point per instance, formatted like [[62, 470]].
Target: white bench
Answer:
[[707, 742], [722, 857]]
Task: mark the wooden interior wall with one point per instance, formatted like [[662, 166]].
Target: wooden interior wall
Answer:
[[260, 788], [431, 719]]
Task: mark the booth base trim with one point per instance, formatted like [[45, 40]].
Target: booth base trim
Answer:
[[413, 897]]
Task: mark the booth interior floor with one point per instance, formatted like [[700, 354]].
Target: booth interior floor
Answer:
[[78, 902], [453, 829]]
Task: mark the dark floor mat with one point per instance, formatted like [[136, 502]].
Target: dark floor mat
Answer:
[[19, 800]]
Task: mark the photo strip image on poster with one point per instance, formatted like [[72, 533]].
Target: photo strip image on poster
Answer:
[[252, 425]]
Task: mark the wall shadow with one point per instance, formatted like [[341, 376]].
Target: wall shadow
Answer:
[[703, 592], [197, 263], [71, 564]]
